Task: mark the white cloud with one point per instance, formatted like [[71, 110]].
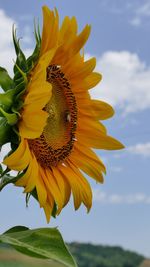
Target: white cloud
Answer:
[[135, 198], [126, 81], [140, 12], [25, 17], [144, 9], [136, 21], [4, 151], [140, 149], [116, 169], [5, 29], [27, 35], [7, 51]]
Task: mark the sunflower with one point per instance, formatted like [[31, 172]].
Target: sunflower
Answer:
[[59, 123]]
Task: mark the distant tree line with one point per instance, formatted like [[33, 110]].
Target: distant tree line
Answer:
[[88, 255]]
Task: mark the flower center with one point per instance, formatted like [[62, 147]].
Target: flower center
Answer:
[[56, 141]]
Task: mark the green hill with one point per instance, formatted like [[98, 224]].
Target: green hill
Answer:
[[88, 255]]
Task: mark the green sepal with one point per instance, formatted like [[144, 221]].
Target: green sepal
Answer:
[[1, 169], [20, 69], [7, 179], [54, 211], [21, 59], [15, 139], [7, 99], [32, 60], [37, 32], [5, 131], [6, 82], [18, 100], [11, 118], [44, 243], [21, 90]]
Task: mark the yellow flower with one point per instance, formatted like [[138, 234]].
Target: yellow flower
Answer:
[[60, 123]]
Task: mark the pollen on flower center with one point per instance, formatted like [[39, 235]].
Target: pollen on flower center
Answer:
[[58, 136]]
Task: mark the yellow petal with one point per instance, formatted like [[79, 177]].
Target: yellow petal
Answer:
[[52, 187], [83, 70], [72, 66], [48, 210], [85, 188], [97, 109], [41, 189], [101, 142], [34, 175], [82, 97], [81, 39], [24, 179], [68, 50], [39, 73], [19, 159], [37, 99], [71, 177], [33, 118], [50, 29], [102, 110], [68, 30], [91, 127], [81, 156], [88, 82], [63, 185], [32, 124], [90, 154], [50, 200], [92, 80], [80, 187]]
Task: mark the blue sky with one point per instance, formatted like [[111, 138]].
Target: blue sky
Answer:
[[120, 40]]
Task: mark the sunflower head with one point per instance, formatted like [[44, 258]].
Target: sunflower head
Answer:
[[54, 123]]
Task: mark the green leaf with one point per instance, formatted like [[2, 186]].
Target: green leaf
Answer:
[[16, 229], [40, 243], [5, 81]]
